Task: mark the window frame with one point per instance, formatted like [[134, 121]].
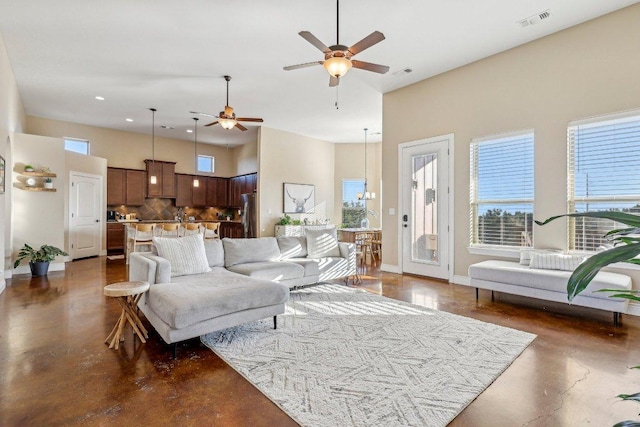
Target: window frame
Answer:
[[78, 140], [342, 207], [212, 160], [510, 251]]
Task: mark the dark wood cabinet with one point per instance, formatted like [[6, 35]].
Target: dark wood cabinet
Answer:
[[125, 187], [231, 229], [135, 187], [241, 184], [217, 192], [165, 186], [116, 186], [115, 237], [187, 194]]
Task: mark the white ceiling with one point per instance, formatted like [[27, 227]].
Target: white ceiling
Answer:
[[172, 55]]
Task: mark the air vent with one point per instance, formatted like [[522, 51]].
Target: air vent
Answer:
[[534, 19]]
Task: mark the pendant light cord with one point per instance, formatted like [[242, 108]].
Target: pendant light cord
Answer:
[[153, 136], [365, 164], [337, 22], [195, 146]]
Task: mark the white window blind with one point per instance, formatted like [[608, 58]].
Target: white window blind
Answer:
[[501, 190], [603, 175]]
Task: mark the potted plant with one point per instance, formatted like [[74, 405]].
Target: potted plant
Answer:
[[626, 246], [29, 168], [38, 259], [48, 183]]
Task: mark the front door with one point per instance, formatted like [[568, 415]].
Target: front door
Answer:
[[424, 182], [86, 215]]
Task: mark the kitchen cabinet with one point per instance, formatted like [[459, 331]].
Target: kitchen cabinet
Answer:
[[241, 184], [187, 194], [125, 186], [217, 192], [165, 186], [115, 237], [232, 230]]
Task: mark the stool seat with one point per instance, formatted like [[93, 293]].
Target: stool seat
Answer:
[[125, 289]]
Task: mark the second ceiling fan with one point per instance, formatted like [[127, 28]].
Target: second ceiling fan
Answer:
[[227, 118], [337, 58]]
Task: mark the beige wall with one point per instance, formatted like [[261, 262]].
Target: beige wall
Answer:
[[245, 158], [129, 150], [587, 70], [38, 217], [287, 157], [349, 164], [12, 119]]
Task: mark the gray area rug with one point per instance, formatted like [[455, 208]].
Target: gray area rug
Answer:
[[347, 357]]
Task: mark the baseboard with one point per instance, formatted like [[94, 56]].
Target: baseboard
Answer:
[[633, 309], [24, 269], [3, 285], [390, 268], [461, 280]]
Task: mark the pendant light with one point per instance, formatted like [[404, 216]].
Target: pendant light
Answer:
[[366, 195], [153, 179], [196, 182]]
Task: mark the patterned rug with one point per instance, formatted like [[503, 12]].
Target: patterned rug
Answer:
[[347, 357]]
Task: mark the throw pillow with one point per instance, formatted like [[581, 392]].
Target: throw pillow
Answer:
[[215, 252], [551, 261], [241, 251], [292, 247], [185, 254], [322, 243]]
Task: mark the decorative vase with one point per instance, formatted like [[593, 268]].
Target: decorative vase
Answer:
[[364, 223], [39, 268]]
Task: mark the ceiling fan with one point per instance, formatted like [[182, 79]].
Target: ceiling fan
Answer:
[[337, 58], [227, 118]]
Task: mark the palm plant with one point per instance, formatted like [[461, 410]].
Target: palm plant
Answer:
[[626, 246]]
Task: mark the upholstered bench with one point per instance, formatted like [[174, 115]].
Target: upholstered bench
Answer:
[[546, 284]]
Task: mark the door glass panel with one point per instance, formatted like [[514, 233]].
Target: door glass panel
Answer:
[[424, 232]]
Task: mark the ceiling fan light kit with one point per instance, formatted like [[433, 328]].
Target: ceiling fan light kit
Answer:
[[227, 118], [337, 58]]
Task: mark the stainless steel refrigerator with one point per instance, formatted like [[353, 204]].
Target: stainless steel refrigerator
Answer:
[[249, 215]]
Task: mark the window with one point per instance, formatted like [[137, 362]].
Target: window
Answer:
[[353, 210], [77, 145], [501, 190], [603, 155], [206, 164]]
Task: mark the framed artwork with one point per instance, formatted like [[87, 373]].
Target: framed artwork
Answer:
[[299, 198], [2, 168]]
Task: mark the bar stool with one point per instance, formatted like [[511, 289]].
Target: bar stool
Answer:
[[170, 229], [191, 228], [142, 236], [212, 230]]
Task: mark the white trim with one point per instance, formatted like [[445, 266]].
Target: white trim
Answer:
[[24, 269], [602, 119], [450, 137], [503, 135], [461, 280], [499, 251], [389, 268], [3, 285]]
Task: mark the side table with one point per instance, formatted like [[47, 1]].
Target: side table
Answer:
[[127, 294]]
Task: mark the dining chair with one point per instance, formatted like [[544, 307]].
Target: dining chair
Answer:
[[211, 230], [191, 228], [171, 229], [142, 236], [376, 244], [362, 240]]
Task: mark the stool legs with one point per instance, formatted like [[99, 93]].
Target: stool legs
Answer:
[[128, 315]]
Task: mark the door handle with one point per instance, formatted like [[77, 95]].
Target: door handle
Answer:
[[97, 220], [405, 218]]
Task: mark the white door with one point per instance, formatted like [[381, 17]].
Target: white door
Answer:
[[424, 215], [86, 216]]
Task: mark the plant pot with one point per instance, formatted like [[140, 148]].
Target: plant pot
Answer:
[[48, 185], [39, 268]]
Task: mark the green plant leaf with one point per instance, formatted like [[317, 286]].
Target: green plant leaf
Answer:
[[582, 276], [627, 424], [622, 217], [635, 397]]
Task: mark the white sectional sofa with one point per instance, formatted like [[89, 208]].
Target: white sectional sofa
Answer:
[[200, 286], [548, 284]]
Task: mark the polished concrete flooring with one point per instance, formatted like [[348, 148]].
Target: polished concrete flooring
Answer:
[[56, 370]]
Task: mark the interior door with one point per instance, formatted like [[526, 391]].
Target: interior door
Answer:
[[424, 181], [86, 215]]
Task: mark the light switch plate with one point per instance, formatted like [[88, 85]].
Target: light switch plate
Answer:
[[392, 211]]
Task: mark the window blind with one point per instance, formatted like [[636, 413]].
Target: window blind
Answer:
[[501, 190], [603, 175]]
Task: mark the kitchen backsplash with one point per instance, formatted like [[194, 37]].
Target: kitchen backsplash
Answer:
[[165, 209]]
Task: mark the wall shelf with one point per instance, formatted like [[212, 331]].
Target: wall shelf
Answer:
[[39, 174], [28, 188]]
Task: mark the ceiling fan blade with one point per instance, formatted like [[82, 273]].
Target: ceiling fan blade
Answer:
[[314, 41], [228, 111], [308, 64], [212, 123], [367, 42], [249, 119], [203, 114], [239, 126], [334, 81], [369, 66]]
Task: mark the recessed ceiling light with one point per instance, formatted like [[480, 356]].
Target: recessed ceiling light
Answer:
[[100, 98], [129, 120], [167, 127], [189, 131]]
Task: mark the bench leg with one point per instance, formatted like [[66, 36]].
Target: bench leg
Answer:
[[491, 295], [616, 318], [476, 294], [174, 348], [275, 322]]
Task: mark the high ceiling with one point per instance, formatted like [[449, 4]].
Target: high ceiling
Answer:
[[172, 55]]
